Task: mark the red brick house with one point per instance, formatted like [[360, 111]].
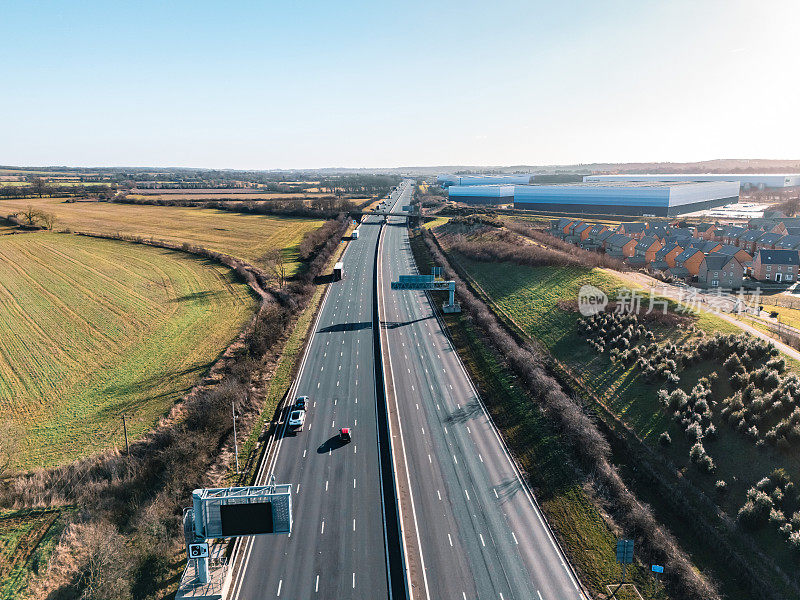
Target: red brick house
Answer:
[[776, 265]]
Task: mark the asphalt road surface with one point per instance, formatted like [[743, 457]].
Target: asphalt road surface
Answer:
[[337, 547], [480, 533]]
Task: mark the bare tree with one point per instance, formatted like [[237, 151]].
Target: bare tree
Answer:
[[39, 186], [275, 263], [48, 219], [105, 575], [30, 216]]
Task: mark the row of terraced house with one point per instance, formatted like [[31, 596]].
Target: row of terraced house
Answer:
[[707, 254]]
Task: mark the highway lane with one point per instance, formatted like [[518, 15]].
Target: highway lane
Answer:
[[479, 531], [337, 547]]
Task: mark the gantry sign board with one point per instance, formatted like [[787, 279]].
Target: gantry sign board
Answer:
[[429, 282], [240, 511]]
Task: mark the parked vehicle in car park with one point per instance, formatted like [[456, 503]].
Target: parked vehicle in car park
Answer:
[[297, 419]]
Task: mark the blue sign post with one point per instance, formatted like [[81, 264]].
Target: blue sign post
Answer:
[[657, 569]]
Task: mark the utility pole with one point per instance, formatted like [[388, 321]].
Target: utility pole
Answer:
[[235, 442], [125, 429]]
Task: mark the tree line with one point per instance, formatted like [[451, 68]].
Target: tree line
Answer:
[[359, 184]]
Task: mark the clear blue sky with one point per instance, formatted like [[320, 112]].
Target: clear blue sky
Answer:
[[367, 84]]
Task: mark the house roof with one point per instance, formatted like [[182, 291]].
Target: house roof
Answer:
[[752, 236], [680, 233], [716, 262], [770, 238], [659, 230], [788, 242], [562, 222], [771, 222], [582, 227], [604, 235], [597, 228], [636, 261], [618, 239], [687, 254], [778, 257], [659, 265], [633, 227], [677, 271], [704, 245], [667, 249], [793, 230], [729, 250], [733, 231], [646, 243]]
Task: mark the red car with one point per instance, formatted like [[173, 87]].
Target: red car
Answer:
[[344, 434]]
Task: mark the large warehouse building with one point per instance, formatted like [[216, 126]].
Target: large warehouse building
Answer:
[[482, 194], [449, 180], [659, 199], [746, 180]]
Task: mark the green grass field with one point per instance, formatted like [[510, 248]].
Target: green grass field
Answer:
[[27, 538], [95, 328], [247, 237], [529, 296]]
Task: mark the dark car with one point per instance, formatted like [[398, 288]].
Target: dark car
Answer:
[[301, 403], [344, 434]]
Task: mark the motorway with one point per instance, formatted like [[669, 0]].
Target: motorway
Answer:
[[475, 527], [337, 548], [469, 522]]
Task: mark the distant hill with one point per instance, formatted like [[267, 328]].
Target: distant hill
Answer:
[[722, 165]]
